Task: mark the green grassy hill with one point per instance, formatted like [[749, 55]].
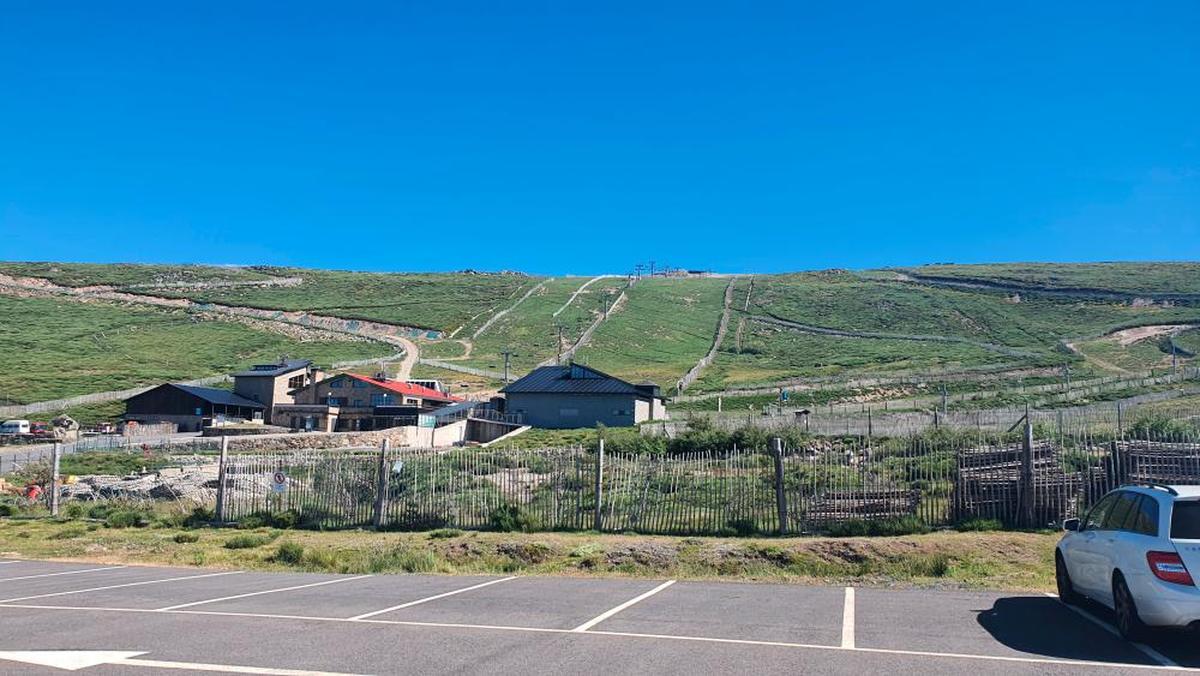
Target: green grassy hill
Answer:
[[58, 348], [661, 329], [1150, 278]]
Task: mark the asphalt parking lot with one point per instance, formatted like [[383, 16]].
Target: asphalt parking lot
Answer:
[[110, 619]]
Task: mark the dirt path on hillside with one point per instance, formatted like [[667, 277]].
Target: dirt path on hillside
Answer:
[[578, 291], [496, 317], [1127, 337]]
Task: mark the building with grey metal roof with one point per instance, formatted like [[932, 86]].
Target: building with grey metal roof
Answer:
[[574, 395]]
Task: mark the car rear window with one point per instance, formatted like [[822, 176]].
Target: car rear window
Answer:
[[1185, 520]]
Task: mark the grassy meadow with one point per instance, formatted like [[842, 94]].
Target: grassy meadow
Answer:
[[662, 330], [63, 348], [1120, 277]]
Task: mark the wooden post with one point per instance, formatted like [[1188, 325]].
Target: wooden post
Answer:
[[780, 496], [56, 456], [381, 484], [1027, 497], [219, 514], [598, 517]]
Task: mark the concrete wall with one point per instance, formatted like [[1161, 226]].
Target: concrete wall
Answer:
[[558, 411]]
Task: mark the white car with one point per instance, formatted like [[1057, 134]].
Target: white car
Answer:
[[1134, 552]]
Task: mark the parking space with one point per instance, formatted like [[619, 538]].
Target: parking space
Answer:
[[40, 587], [551, 603], [984, 623], [352, 598], [737, 611], [363, 623]]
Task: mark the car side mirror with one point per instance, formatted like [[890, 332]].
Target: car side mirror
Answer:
[[1071, 524]]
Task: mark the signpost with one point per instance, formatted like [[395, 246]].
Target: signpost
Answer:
[[279, 481]]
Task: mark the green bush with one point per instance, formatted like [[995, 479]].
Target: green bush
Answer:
[[74, 511], [511, 518], [251, 521], [186, 538], [128, 518], [289, 552], [7, 510], [200, 516], [68, 533], [249, 540], [444, 533], [978, 524], [906, 525], [99, 511], [742, 527]]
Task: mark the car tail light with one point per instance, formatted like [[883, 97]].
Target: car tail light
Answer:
[[1167, 566]]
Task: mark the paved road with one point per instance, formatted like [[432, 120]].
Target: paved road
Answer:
[[132, 620]]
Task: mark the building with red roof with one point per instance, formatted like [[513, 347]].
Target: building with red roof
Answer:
[[350, 402]]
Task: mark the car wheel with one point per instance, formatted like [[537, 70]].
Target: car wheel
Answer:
[[1066, 590], [1128, 622]]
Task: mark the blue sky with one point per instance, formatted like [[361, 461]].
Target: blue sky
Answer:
[[563, 137]]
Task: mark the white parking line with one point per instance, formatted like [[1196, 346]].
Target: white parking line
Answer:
[[69, 572], [1150, 652], [609, 613], [608, 634], [431, 598], [848, 619], [266, 591], [119, 586]]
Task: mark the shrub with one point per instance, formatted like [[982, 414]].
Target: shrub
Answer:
[[742, 526], [905, 525], [74, 511], [978, 524], [7, 510], [248, 540], [444, 533], [200, 516], [68, 533], [186, 538], [511, 518], [100, 511], [251, 521], [289, 552], [127, 518]]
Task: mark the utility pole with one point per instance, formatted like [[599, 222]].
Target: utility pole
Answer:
[[651, 268], [506, 354], [560, 342], [637, 269]]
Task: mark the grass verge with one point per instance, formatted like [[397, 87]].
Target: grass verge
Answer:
[[994, 560]]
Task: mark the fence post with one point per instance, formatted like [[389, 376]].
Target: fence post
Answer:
[[381, 484], [219, 514], [598, 517], [56, 456], [780, 496], [1027, 497]]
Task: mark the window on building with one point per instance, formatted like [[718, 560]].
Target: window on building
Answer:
[[382, 400], [334, 401], [358, 402], [296, 382], [357, 384], [410, 401], [339, 383]]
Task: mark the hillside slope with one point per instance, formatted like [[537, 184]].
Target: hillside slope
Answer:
[[812, 325]]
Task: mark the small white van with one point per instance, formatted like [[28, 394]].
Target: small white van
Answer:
[[14, 427]]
